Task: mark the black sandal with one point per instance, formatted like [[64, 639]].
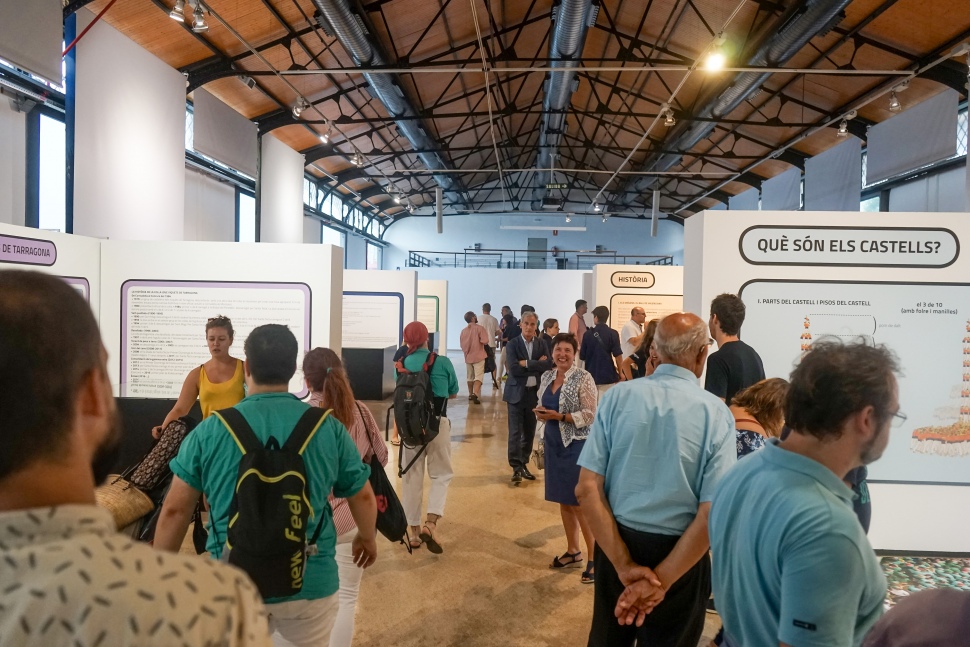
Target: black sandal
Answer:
[[575, 560], [429, 539], [588, 576]]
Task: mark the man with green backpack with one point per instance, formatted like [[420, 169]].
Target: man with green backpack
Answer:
[[266, 467]]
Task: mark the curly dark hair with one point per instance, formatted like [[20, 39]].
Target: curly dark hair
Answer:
[[220, 322], [835, 380]]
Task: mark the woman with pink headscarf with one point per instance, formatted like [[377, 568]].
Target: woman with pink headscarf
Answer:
[[436, 458]]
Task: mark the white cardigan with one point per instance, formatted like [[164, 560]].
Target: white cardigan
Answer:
[[578, 397]]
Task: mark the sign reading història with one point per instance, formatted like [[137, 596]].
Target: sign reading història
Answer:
[[27, 251]]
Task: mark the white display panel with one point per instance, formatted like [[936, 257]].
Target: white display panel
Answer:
[[377, 305], [433, 310], [157, 297], [879, 277], [657, 289], [160, 336], [76, 259], [933, 445]]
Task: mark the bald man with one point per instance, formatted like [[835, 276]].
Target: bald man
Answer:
[[651, 528]]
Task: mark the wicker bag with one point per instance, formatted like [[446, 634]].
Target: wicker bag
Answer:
[[539, 455], [124, 501]]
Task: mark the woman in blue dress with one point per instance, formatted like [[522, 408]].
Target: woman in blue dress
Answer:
[[567, 405]]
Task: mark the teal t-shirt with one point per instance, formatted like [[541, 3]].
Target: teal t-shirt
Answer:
[[444, 380], [208, 461], [791, 561]]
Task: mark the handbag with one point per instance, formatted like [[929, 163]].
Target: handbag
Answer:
[[126, 503], [153, 469], [539, 455], [391, 520]]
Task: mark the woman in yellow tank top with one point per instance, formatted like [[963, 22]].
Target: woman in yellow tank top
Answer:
[[218, 384]]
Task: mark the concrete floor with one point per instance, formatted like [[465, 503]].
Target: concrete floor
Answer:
[[492, 586]]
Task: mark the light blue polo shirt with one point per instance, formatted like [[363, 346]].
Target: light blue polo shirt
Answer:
[[208, 460], [662, 443], [791, 561]]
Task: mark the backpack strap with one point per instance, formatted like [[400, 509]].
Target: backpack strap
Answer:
[[305, 429], [430, 362], [239, 429]]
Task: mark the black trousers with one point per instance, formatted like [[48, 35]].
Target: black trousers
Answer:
[[522, 428], [678, 621]]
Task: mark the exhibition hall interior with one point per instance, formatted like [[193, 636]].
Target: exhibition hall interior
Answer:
[[522, 322]]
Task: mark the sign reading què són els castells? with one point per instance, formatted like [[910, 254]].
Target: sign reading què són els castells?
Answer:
[[27, 251], [849, 246]]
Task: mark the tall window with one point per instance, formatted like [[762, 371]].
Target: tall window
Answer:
[[245, 217], [46, 175], [374, 256], [331, 236]]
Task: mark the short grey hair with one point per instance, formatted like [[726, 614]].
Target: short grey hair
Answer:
[[531, 313], [682, 347]]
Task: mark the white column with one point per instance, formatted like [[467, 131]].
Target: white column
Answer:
[[280, 193]]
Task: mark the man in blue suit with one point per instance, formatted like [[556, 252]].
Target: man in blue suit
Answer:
[[528, 357]]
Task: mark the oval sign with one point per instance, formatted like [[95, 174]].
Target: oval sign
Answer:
[[849, 246], [632, 280], [27, 251]]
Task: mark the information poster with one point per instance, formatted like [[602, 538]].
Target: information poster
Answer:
[[163, 327], [429, 312], [657, 289], [656, 306], [373, 319], [933, 444]]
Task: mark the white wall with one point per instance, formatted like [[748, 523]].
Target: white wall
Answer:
[[280, 193], [210, 208], [553, 293], [13, 161], [624, 235], [129, 155]]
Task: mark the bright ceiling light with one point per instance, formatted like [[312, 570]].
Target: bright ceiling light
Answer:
[[568, 219], [597, 207], [198, 23], [299, 107], [669, 119], [178, 11], [604, 217], [397, 198], [356, 160], [716, 60], [843, 129], [894, 105]]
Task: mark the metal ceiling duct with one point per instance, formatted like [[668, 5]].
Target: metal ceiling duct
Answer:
[[572, 19], [798, 26], [338, 19]]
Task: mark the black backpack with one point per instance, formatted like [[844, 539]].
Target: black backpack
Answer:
[[413, 410], [270, 510]]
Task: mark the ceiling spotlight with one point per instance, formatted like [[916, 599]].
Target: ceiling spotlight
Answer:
[[325, 137], [198, 23], [843, 129], [178, 11], [894, 104], [356, 160], [568, 219], [397, 198], [716, 60], [669, 119], [298, 107], [604, 217], [597, 207]]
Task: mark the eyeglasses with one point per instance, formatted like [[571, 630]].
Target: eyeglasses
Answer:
[[898, 419], [710, 342]]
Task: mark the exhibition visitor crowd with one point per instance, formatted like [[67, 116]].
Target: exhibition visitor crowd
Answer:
[[685, 480]]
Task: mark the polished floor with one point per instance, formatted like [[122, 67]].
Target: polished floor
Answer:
[[492, 586]]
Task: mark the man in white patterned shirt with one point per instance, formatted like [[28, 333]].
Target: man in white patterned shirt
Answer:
[[66, 576]]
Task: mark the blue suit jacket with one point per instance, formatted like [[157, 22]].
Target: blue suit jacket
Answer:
[[518, 374]]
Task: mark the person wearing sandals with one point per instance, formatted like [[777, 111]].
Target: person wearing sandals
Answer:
[[436, 459], [567, 405], [330, 389]]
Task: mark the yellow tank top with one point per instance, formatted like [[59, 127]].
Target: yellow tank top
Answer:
[[213, 397]]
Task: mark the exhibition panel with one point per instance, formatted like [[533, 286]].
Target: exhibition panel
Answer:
[[157, 298], [377, 304], [659, 290], [893, 279], [74, 258], [433, 310]]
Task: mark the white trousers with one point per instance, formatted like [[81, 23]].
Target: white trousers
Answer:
[[302, 623], [603, 388], [350, 575], [437, 458]]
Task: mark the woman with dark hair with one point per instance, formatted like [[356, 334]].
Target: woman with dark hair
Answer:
[[330, 389], [759, 413], [218, 384], [510, 330], [550, 328], [567, 405], [644, 360]]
